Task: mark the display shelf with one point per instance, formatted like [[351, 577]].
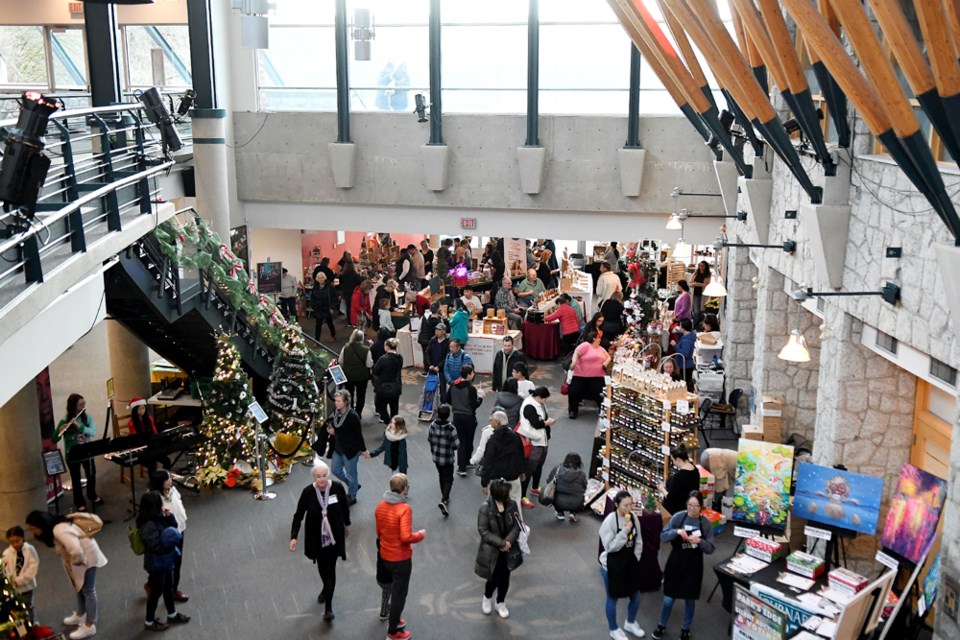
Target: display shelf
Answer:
[[642, 429]]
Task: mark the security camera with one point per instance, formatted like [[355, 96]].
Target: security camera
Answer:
[[421, 109]]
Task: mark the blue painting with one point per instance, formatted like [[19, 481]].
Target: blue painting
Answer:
[[838, 498]]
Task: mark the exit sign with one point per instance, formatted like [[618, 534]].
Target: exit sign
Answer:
[[76, 7], [468, 223]]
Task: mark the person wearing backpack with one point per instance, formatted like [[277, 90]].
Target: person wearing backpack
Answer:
[[571, 484], [452, 364], [158, 530], [81, 557], [465, 399]]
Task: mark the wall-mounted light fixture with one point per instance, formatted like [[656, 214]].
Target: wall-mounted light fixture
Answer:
[[254, 24], [796, 348], [788, 246], [679, 217]]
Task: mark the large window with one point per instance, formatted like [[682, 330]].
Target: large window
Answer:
[[157, 56], [22, 59]]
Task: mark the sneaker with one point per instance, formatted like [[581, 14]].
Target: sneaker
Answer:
[[462, 474], [502, 610], [659, 632], [156, 625], [401, 634], [329, 615], [83, 631], [384, 616], [559, 515], [633, 629], [180, 596], [535, 492], [443, 508], [526, 503], [573, 518], [572, 415], [486, 606], [178, 618], [618, 634], [74, 619], [685, 634], [401, 625]]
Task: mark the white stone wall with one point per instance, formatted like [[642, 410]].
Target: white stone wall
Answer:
[[740, 307]]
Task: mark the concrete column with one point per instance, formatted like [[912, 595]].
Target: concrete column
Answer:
[[129, 364], [795, 383], [210, 159], [22, 483], [865, 409], [737, 323], [946, 627]]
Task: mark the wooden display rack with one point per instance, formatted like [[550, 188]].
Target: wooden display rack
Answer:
[[660, 438], [676, 271]]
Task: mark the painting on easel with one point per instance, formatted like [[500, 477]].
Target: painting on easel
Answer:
[[915, 510]]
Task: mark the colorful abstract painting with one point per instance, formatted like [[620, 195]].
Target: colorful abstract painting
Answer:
[[762, 493], [839, 498], [914, 513]]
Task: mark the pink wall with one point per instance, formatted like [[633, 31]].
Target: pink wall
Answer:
[[327, 241]]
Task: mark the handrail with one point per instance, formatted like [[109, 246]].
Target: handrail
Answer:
[[14, 242], [76, 113]]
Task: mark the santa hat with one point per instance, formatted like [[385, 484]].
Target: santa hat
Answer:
[[136, 402]]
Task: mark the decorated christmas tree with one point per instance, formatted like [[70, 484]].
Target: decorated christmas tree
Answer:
[[13, 611], [293, 394], [227, 424]]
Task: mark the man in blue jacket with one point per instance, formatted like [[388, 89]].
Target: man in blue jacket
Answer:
[[454, 361], [688, 341]]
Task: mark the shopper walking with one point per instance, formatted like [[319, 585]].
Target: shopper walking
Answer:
[[498, 522], [444, 444], [509, 401], [571, 485], [356, 362], [503, 457], [81, 557], [587, 373], [452, 364], [360, 311], [684, 480], [497, 419], [394, 445], [289, 287], [394, 519], [324, 504], [21, 563], [459, 321], [436, 354], [348, 445], [162, 483], [465, 399], [535, 427], [75, 428], [322, 300], [620, 565], [607, 283], [161, 539], [348, 282], [690, 536], [388, 381], [505, 361]]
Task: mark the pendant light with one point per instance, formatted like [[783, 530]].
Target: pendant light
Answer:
[[715, 289]]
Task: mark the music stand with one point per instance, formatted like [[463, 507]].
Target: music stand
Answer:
[[55, 466]]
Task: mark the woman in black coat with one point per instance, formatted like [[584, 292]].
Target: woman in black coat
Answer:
[[324, 503], [349, 280], [388, 381], [323, 298], [498, 555]]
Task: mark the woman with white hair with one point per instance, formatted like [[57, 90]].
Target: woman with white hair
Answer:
[[324, 504], [497, 419]]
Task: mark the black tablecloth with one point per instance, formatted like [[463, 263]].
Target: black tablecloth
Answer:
[[766, 577]]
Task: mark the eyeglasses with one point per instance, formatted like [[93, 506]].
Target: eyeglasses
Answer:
[[694, 506]]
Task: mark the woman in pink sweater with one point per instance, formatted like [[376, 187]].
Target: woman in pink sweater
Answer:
[[569, 325], [587, 373], [684, 305]]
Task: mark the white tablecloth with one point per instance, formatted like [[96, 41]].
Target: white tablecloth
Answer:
[[481, 347]]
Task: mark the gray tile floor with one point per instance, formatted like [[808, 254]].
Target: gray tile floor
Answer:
[[244, 583]]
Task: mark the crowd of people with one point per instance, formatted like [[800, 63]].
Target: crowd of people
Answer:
[[509, 455]]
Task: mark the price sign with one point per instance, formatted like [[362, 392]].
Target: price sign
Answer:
[[745, 532], [683, 407], [257, 412], [816, 532], [665, 426], [887, 560], [665, 449]]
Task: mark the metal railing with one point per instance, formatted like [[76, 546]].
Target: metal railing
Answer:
[[105, 163]]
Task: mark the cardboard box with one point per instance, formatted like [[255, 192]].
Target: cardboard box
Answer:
[[846, 581], [716, 519], [763, 549], [753, 432], [805, 564]]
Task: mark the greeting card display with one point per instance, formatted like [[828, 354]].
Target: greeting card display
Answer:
[[762, 492], [914, 512], [839, 498]]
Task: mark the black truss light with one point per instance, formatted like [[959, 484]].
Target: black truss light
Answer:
[[24, 166]]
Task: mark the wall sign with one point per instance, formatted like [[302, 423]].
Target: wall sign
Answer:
[[468, 223]]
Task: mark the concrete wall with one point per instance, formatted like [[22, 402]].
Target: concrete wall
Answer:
[[282, 157]]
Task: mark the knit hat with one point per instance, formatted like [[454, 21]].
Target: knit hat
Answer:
[[136, 402]]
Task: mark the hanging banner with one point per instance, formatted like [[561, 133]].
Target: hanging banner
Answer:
[[268, 277], [47, 425], [515, 255]]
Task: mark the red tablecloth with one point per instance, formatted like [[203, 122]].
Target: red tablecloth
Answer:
[[541, 341]]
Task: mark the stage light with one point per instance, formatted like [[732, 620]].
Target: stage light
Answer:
[[24, 167], [421, 108], [186, 102], [157, 113]]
